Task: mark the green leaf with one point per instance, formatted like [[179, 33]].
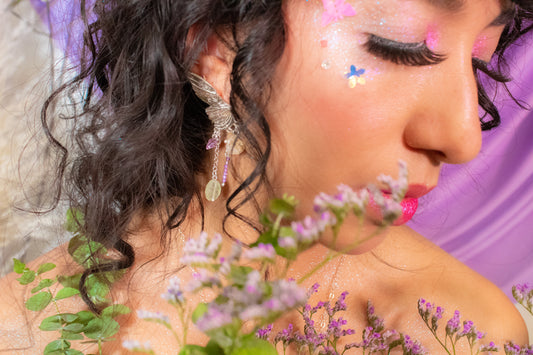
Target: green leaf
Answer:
[[254, 346], [267, 237], [74, 219], [71, 336], [56, 345], [282, 207], [97, 289], [101, 328], [70, 281], [69, 317], [73, 352], [45, 267], [51, 323], [194, 350], [27, 277], [39, 301], [199, 311], [66, 293], [84, 251], [18, 266], [115, 310], [43, 284], [239, 274], [74, 328], [84, 317]]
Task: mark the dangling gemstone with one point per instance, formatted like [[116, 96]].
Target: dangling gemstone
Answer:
[[212, 190], [232, 142], [212, 143]]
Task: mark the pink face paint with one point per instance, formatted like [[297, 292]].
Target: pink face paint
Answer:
[[335, 10], [479, 47], [432, 37], [324, 43]]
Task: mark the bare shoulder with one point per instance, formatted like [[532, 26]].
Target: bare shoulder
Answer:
[[19, 327], [458, 287]]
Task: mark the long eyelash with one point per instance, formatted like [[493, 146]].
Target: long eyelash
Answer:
[[412, 54]]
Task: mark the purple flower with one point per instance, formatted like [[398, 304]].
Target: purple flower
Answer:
[[134, 345], [200, 251], [215, 317], [174, 293], [260, 252], [287, 243], [453, 324], [202, 279], [153, 316], [489, 347], [263, 333], [412, 347]]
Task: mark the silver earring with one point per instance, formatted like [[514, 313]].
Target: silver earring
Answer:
[[219, 113]]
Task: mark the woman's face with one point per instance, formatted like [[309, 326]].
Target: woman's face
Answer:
[[343, 112]]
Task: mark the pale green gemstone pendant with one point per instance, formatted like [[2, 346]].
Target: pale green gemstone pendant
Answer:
[[212, 190]]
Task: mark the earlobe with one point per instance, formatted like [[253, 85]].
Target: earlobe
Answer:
[[214, 65]]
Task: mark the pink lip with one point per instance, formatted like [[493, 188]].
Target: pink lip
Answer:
[[409, 203]]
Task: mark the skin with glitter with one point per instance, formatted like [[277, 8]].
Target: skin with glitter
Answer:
[[325, 133]]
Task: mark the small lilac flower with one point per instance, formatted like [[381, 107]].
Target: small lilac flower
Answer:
[[215, 317], [201, 250], [174, 293], [287, 243], [135, 345], [412, 347], [263, 333], [153, 316], [263, 252], [202, 279], [453, 324], [489, 347]]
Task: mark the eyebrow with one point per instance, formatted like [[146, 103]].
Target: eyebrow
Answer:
[[505, 17]]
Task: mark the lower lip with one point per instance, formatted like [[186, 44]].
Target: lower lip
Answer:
[[409, 206]]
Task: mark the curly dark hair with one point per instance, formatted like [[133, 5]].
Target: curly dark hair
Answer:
[[140, 131]]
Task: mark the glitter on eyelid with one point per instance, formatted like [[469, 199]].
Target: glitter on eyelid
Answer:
[[479, 46], [326, 65], [432, 37]]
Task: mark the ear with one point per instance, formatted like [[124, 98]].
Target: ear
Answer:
[[214, 65]]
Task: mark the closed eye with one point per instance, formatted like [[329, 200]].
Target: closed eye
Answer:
[[411, 54]]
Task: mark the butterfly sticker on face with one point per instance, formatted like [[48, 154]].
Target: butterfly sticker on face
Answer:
[[354, 77], [335, 10]]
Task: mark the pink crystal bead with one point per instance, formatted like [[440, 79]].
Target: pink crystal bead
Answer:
[[212, 143]]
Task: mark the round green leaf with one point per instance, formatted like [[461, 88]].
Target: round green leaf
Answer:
[[199, 311], [27, 277], [51, 323], [115, 310], [101, 328], [43, 284], [39, 301], [18, 266], [45, 267], [72, 281], [71, 336], [69, 317], [85, 317], [66, 293], [56, 345], [74, 328]]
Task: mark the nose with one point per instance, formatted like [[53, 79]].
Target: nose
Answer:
[[445, 121]]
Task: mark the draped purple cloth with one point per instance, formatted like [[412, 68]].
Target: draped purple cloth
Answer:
[[481, 212]]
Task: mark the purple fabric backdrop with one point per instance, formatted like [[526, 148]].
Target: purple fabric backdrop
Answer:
[[481, 212]]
